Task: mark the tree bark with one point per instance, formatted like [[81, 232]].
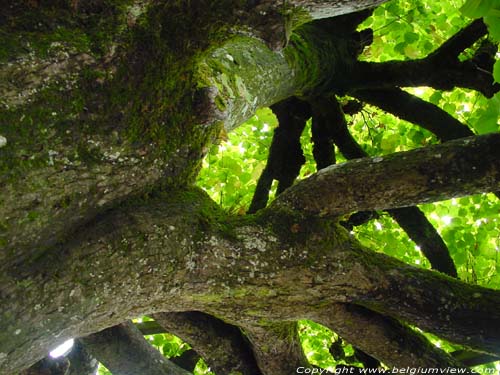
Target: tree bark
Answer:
[[222, 346], [453, 169], [98, 220], [124, 351], [167, 254]]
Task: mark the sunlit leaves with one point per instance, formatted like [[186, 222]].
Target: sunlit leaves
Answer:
[[316, 341], [232, 168], [411, 29]]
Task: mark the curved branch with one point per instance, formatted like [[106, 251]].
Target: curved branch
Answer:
[[221, 345], [423, 72], [124, 351], [384, 338], [463, 39], [178, 251], [471, 321], [285, 154], [417, 111], [411, 219], [456, 168], [441, 69]]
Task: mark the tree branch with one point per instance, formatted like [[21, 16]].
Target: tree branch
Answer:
[[417, 111], [456, 168], [285, 154], [322, 137], [411, 219], [463, 39], [221, 345], [277, 347], [441, 69], [472, 358], [168, 252], [124, 351], [384, 338], [81, 362], [452, 319], [416, 225]]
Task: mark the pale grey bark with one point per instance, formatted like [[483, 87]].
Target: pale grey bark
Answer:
[[453, 169]]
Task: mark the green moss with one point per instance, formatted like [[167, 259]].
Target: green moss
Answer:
[[43, 28], [294, 18]]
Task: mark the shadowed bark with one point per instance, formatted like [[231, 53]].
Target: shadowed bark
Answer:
[[124, 351], [285, 154], [277, 347], [221, 345], [441, 69], [375, 334]]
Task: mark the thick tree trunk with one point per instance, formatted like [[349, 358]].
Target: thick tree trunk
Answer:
[[177, 253], [99, 149]]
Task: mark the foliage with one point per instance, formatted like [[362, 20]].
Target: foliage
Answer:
[[231, 168]]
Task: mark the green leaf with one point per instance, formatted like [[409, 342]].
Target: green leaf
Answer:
[[492, 20], [411, 37], [496, 68], [476, 8]]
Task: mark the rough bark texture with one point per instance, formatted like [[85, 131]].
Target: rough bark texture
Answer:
[[456, 168], [100, 146], [384, 338], [124, 351], [222, 346]]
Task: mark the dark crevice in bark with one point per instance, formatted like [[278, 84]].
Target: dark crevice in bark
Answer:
[[221, 345], [77, 362], [285, 154], [440, 70], [124, 351], [411, 219], [49, 366], [359, 218]]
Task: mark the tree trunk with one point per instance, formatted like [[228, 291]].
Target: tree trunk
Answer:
[[102, 141]]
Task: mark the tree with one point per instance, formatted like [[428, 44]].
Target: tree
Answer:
[[108, 108]]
